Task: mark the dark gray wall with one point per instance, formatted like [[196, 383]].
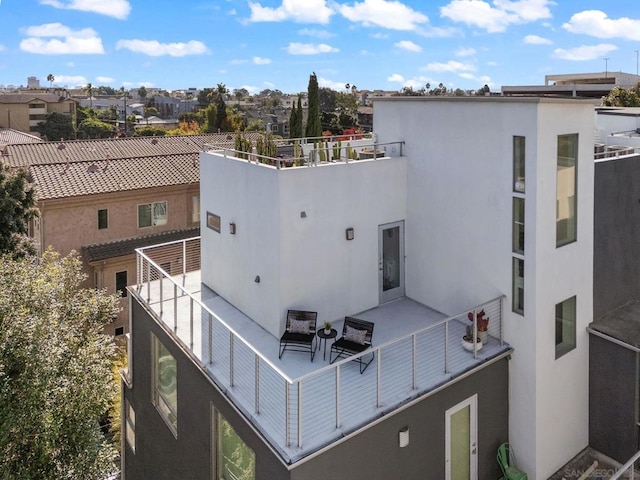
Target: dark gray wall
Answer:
[[372, 454], [612, 399], [159, 455], [375, 453], [616, 262]]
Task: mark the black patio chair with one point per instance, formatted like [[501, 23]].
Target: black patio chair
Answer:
[[356, 338], [300, 333]]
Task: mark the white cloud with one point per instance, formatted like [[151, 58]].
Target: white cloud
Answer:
[[396, 77], [482, 79], [450, 66], [261, 61], [380, 36], [409, 46], [105, 79], [325, 83], [596, 24], [2, 48], [382, 13], [70, 64], [312, 32], [536, 40], [465, 52], [58, 39], [584, 52], [71, 80], [154, 48], [300, 11], [119, 9], [496, 18], [309, 48], [269, 84]]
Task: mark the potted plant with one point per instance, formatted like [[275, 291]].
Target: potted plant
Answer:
[[483, 324], [467, 340], [327, 327]]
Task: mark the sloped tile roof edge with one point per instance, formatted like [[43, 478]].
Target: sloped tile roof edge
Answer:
[[128, 246]]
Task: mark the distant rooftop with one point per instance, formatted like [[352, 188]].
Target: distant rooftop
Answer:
[[9, 136]]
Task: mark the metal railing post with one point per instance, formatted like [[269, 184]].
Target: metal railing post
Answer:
[[256, 406], [501, 307], [299, 414], [378, 386], [191, 323], [413, 367], [175, 307], [231, 337], [337, 396], [184, 258], [287, 412], [446, 347], [148, 281], [475, 335], [161, 297], [210, 338]]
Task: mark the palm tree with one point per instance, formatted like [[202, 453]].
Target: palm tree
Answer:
[[50, 79], [89, 90]]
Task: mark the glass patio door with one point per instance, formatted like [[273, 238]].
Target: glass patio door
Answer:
[[461, 441], [391, 261]]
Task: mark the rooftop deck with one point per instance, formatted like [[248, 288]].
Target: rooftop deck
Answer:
[[298, 405]]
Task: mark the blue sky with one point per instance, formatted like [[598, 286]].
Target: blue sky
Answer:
[[276, 44]]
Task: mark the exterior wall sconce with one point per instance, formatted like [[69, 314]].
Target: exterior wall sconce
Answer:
[[403, 437], [349, 233], [232, 228], [257, 279], [303, 214]]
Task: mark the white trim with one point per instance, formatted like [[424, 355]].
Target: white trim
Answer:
[[472, 403]]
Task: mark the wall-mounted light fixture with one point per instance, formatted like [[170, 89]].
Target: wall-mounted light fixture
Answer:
[[303, 214], [403, 437], [349, 233], [232, 228], [257, 279]]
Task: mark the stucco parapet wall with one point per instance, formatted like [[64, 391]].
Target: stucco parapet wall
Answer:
[[489, 99]]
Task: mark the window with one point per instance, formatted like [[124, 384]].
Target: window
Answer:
[[37, 105], [195, 209], [518, 286], [565, 326], [130, 433], [103, 219], [234, 459], [152, 214], [213, 221], [566, 178], [518, 164], [119, 331], [518, 225], [121, 283], [165, 383]]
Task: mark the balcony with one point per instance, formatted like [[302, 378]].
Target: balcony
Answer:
[[300, 406]]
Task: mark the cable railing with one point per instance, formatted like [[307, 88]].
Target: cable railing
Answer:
[[287, 409], [628, 469]]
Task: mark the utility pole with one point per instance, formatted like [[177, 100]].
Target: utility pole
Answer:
[[606, 61], [636, 63]]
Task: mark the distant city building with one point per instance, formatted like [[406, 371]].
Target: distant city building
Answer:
[[589, 85], [33, 82]]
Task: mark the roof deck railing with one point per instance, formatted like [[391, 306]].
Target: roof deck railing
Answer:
[[286, 409]]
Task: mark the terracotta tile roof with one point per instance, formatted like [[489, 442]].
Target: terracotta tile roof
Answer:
[[72, 179], [119, 248], [24, 155]]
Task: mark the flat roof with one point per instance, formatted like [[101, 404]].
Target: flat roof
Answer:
[[488, 98]]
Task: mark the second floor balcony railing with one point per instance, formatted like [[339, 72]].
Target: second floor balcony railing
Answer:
[[301, 414]]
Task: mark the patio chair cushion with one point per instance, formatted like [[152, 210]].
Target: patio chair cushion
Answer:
[[299, 326], [355, 335]]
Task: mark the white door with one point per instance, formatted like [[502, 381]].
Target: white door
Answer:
[[391, 261], [461, 432]]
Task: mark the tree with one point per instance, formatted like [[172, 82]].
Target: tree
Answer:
[[56, 126], [89, 90], [151, 132], [94, 128], [205, 96], [620, 97], [221, 108], [51, 79], [142, 92], [327, 99], [55, 379], [17, 209], [314, 127], [294, 123]]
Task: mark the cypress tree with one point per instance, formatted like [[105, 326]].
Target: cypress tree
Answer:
[[293, 122], [314, 126]]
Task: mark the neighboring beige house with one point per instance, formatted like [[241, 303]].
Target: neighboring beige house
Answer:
[[105, 198], [23, 111]]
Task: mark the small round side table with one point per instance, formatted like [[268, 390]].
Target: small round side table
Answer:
[[323, 336]]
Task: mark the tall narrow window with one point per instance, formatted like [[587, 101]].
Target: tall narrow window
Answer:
[[165, 383], [518, 286], [566, 192], [130, 433], [121, 283], [103, 219], [234, 459], [195, 209], [565, 326], [518, 225], [518, 164]]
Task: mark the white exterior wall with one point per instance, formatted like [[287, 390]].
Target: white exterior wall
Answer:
[[616, 123], [303, 263], [458, 246]]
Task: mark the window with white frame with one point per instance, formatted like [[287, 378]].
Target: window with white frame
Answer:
[[517, 293], [518, 164], [233, 458], [565, 326], [152, 214], [566, 189], [130, 426], [165, 383]]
